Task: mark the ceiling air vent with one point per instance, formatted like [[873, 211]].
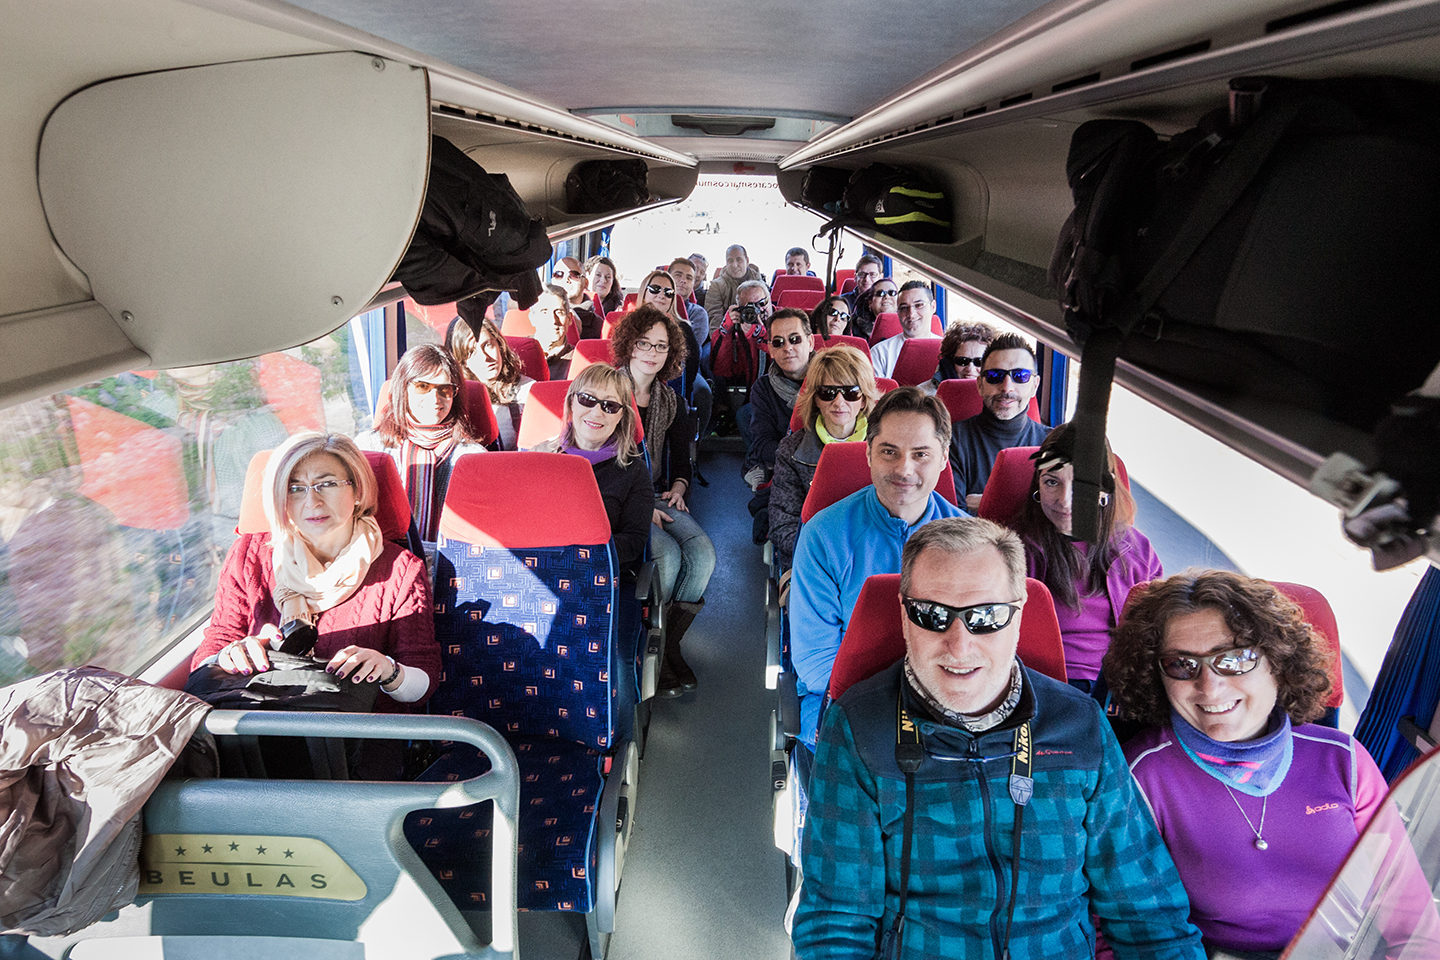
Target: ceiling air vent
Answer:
[[1018, 98], [1084, 81], [1179, 53], [1318, 13]]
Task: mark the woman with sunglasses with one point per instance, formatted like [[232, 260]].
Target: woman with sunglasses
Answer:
[[568, 276], [1226, 675], [658, 290], [962, 351], [834, 402], [649, 349], [425, 429], [883, 297], [831, 316], [1089, 582], [598, 423], [491, 360], [323, 562]]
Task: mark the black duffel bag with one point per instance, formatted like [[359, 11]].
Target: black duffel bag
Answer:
[[1250, 257], [599, 186], [474, 235]]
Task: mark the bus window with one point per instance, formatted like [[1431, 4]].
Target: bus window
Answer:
[[119, 499]]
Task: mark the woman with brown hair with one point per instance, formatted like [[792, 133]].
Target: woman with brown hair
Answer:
[[649, 348], [1227, 675], [490, 359], [426, 428]]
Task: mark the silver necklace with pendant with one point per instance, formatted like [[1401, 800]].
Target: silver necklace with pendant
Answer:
[[1260, 843]]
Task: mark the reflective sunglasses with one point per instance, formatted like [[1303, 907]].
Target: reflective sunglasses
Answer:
[[969, 362], [611, 407], [1226, 663], [654, 289], [562, 274], [445, 390], [840, 313], [794, 340], [325, 488], [1019, 375], [980, 619], [830, 391], [885, 293]]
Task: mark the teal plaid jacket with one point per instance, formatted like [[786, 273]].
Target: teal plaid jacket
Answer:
[[1089, 845]]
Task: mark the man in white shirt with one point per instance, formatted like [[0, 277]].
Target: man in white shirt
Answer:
[[915, 308]]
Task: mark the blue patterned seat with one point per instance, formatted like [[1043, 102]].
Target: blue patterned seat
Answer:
[[526, 617]]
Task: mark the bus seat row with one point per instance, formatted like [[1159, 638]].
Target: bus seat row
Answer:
[[783, 283], [532, 628], [806, 300]]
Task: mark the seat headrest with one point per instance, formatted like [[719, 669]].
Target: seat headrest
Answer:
[[524, 500], [532, 356], [392, 506], [874, 637], [544, 413], [588, 352], [1009, 483], [477, 400], [843, 469]]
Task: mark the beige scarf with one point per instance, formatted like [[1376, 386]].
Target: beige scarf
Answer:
[[304, 587]]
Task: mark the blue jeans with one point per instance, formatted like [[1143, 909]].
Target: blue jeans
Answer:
[[684, 556]]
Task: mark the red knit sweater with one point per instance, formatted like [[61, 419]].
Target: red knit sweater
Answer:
[[390, 612]]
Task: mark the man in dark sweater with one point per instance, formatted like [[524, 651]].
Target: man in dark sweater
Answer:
[[1008, 380], [772, 396]]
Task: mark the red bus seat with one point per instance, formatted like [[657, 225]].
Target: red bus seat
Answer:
[[1009, 484], [517, 323], [887, 325], [843, 469], [806, 300], [859, 343], [544, 413], [611, 318], [785, 282], [532, 357], [1319, 615], [961, 398], [392, 511], [917, 363], [588, 352], [874, 638], [843, 277], [477, 399]]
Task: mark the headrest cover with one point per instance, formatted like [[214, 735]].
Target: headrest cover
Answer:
[[524, 500]]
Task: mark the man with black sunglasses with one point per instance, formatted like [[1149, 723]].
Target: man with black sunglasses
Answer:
[[772, 397], [1009, 378], [1029, 824]]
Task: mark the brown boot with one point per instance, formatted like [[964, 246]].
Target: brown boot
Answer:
[[676, 677]]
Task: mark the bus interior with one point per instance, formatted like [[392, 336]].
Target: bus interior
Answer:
[[204, 204]]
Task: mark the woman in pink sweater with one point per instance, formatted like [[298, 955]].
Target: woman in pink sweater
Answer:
[[325, 563]]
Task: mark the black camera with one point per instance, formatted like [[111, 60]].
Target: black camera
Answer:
[[749, 314], [299, 637]]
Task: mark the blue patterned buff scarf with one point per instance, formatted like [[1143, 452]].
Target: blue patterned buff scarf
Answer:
[[1256, 767]]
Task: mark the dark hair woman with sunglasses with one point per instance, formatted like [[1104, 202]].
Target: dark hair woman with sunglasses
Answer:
[[424, 429], [1089, 582], [831, 317], [598, 423], [838, 394], [1227, 675], [649, 348]]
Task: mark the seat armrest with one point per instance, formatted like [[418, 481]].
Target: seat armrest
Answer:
[[773, 662], [789, 697]]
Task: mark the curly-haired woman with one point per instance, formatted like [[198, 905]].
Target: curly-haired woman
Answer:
[[1258, 805]]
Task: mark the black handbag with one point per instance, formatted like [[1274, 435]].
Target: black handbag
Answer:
[[292, 683]]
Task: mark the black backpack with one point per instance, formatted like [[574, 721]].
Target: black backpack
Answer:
[[902, 203], [1242, 258], [599, 186], [475, 234]]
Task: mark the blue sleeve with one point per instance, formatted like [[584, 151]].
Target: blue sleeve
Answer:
[[817, 622], [1135, 890], [842, 900]]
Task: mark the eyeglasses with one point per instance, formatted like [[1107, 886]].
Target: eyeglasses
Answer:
[[980, 619], [445, 390], [645, 346], [840, 313], [562, 274], [795, 339], [325, 488], [884, 293], [970, 362], [1227, 663], [830, 391], [1019, 375], [611, 407], [655, 290]]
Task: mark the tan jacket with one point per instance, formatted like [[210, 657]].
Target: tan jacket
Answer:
[[80, 752], [720, 295]]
